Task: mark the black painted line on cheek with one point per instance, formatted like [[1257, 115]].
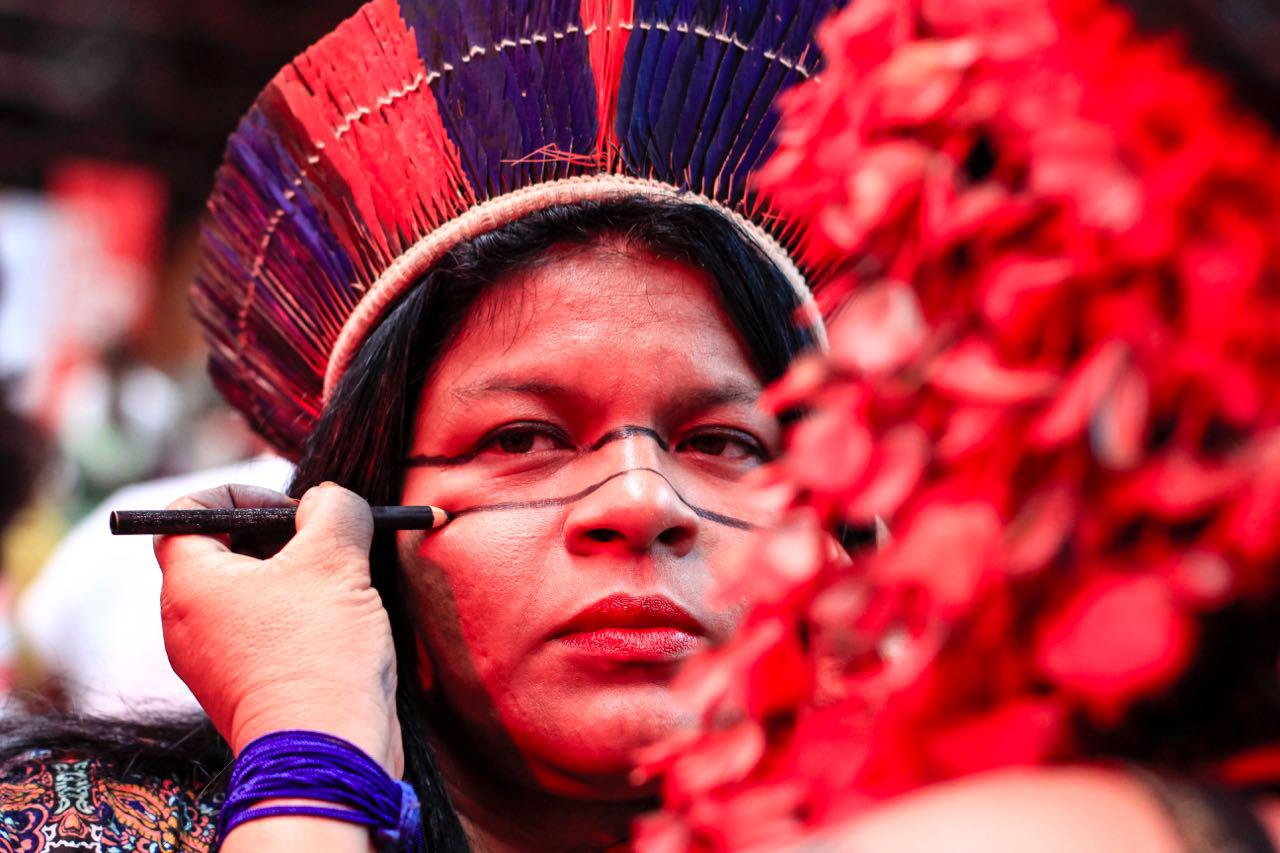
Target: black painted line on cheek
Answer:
[[542, 503], [726, 520]]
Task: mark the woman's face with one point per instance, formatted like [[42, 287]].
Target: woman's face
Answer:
[[587, 427]]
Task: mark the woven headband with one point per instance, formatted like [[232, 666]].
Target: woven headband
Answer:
[[420, 124], [495, 213]]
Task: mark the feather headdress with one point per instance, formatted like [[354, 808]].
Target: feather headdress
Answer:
[[418, 124]]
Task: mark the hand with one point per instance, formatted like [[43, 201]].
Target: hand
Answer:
[[299, 640]]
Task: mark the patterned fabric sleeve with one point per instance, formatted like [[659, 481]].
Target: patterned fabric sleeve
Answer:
[[66, 803]]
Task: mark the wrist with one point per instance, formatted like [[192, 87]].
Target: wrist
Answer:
[[372, 729], [291, 782]]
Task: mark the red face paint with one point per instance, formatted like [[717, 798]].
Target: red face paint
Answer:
[[589, 427]]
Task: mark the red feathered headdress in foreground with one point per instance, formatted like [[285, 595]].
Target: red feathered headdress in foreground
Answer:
[[1053, 373]]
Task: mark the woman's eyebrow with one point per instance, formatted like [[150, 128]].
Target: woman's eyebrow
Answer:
[[694, 401], [683, 403], [505, 385]]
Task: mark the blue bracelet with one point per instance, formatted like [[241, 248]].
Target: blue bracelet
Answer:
[[316, 766]]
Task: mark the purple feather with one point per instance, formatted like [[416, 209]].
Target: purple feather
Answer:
[[694, 110], [502, 104]]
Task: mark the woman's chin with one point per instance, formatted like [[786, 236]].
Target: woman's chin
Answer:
[[588, 750], [615, 787]]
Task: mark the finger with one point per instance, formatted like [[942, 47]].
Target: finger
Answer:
[[173, 549], [234, 496], [265, 542], [335, 521], [261, 544]]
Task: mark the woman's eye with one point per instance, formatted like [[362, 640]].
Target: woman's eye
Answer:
[[522, 440], [712, 445], [726, 446]]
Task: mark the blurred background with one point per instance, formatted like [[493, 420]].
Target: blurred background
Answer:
[[113, 115]]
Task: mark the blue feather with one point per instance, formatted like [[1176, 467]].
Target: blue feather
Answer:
[[504, 104], [632, 123], [695, 110]]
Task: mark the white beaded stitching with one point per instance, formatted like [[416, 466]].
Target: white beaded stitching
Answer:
[[428, 77], [350, 119]]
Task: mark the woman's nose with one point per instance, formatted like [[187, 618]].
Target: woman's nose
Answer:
[[635, 512]]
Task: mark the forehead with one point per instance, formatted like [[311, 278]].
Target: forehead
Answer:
[[602, 314]]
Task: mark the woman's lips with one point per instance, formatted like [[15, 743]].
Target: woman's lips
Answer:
[[633, 629], [634, 645]]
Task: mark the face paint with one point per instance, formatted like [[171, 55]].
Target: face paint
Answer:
[[589, 429], [574, 471]]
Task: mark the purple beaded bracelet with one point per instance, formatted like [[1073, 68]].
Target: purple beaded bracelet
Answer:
[[316, 766]]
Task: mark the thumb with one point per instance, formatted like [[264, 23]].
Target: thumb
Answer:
[[333, 524]]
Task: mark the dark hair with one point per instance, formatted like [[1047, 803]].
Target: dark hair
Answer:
[[361, 440], [363, 435]]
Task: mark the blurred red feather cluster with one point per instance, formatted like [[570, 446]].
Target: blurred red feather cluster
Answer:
[[1053, 375]]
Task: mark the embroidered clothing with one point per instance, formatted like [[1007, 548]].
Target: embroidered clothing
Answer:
[[64, 803]]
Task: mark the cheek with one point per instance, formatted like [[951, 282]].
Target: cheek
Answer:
[[734, 556], [479, 587], [732, 560]]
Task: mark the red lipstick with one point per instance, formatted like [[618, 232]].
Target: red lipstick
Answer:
[[633, 629]]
